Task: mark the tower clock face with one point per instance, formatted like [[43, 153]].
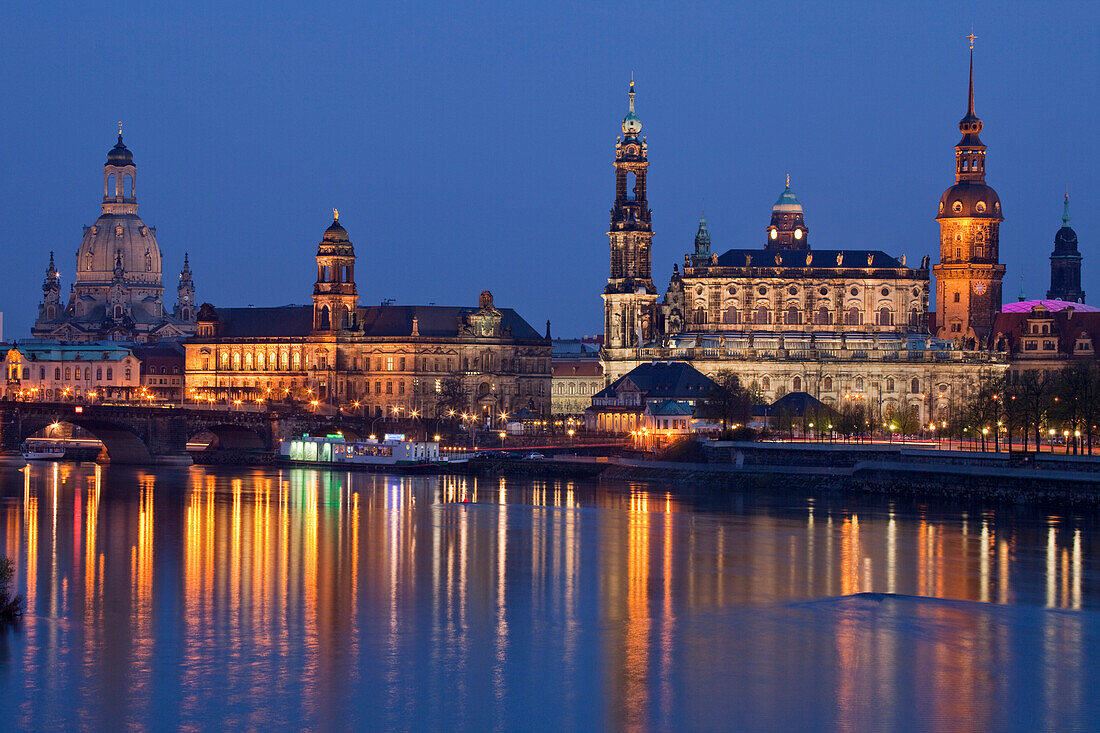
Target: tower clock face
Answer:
[[773, 234], [798, 234], [979, 288]]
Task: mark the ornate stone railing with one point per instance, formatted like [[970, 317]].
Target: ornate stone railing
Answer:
[[895, 354]]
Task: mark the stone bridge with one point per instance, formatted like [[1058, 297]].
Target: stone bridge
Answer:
[[159, 435]]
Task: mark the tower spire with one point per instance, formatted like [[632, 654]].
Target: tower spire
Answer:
[[970, 100], [1065, 209]]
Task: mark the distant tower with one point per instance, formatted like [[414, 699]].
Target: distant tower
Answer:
[[630, 297], [702, 244], [185, 294], [334, 296], [51, 294], [1065, 263], [968, 276], [787, 229]]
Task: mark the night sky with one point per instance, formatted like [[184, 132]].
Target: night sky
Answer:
[[471, 148]]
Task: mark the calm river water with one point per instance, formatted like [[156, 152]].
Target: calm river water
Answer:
[[213, 598]]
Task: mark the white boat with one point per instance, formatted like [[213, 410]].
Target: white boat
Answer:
[[392, 452], [43, 453]]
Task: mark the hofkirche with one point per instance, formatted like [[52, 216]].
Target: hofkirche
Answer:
[[841, 324]]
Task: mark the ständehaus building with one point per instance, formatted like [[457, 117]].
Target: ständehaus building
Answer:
[[844, 324]]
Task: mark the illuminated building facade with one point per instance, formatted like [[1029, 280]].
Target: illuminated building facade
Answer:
[[371, 360], [47, 371], [117, 293], [841, 324]]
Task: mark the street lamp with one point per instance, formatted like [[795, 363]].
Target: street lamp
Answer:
[[501, 434]]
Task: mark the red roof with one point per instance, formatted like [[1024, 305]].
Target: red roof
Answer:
[[577, 368]]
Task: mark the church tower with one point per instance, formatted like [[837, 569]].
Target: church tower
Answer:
[[185, 294], [1065, 263], [630, 297], [968, 276], [787, 229], [51, 294], [334, 296]]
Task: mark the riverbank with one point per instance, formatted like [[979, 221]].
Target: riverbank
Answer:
[[851, 468]]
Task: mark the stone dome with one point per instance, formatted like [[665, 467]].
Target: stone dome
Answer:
[[336, 233], [970, 199], [120, 155], [114, 234]]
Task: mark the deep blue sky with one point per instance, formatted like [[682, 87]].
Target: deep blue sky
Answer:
[[471, 147]]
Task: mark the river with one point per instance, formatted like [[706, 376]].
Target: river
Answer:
[[209, 598]]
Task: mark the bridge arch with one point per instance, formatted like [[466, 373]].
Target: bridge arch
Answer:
[[121, 444], [230, 436]]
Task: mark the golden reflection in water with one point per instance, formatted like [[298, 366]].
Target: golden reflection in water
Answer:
[[635, 669]]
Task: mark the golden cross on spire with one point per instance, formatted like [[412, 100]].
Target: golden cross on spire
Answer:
[[120, 128], [788, 180], [971, 37]]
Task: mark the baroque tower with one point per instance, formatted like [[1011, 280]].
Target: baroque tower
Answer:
[[1065, 263], [334, 296], [968, 276], [185, 294], [787, 229], [630, 297]]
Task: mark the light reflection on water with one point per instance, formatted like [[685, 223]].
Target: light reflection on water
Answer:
[[297, 598]]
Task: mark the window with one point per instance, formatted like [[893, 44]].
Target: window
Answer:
[[700, 315], [822, 317], [762, 317], [68, 373], [110, 374], [766, 383], [956, 297], [129, 374], [914, 386], [42, 373], [731, 314], [859, 384], [401, 363], [378, 388], [852, 317], [956, 327], [389, 387], [389, 363], [828, 383], [794, 316], [205, 364], [796, 385], [1048, 345], [889, 384], [87, 374], [297, 360], [401, 387], [57, 372], [884, 317]]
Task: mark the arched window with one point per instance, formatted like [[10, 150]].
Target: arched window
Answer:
[[761, 316], [700, 315], [324, 324], [111, 186], [766, 384], [225, 360], [822, 316], [884, 317], [914, 386], [852, 317], [128, 374], [859, 384], [87, 374], [828, 385], [99, 374], [248, 360], [236, 361], [913, 317], [68, 373], [889, 384], [128, 186], [796, 384], [794, 316], [731, 314], [260, 360]]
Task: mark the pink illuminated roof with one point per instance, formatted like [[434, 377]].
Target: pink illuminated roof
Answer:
[[1025, 306]]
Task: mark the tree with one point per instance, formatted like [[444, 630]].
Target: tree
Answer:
[[452, 395], [726, 401], [1034, 395], [11, 606]]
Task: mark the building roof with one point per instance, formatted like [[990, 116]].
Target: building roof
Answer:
[[821, 258], [796, 404], [576, 348], [669, 408], [55, 351], [159, 350], [663, 380], [576, 368], [296, 321], [1025, 306]]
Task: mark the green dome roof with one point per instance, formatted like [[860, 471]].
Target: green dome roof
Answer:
[[787, 201]]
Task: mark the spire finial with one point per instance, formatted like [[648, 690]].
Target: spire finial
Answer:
[[120, 129], [631, 92], [788, 180], [336, 215], [1065, 209], [970, 101]]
